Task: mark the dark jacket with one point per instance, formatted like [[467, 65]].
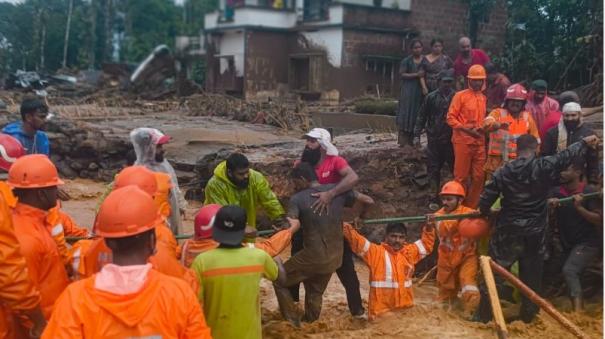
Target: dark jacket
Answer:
[[432, 117], [524, 184], [549, 147]]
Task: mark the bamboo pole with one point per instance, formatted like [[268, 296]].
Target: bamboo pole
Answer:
[[426, 275], [534, 297], [177, 237], [493, 297]]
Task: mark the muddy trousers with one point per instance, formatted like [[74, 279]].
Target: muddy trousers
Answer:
[[580, 256], [468, 170], [346, 274], [438, 154], [315, 285], [462, 278], [505, 250]]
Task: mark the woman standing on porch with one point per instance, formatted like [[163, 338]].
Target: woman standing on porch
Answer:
[[413, 88]]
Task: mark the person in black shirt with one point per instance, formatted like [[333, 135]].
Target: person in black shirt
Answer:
[[432, 119], [579, 226]]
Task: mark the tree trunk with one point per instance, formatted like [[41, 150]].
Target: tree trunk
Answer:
[[108, 30], [67, 28], [42, 45], [93, 34]]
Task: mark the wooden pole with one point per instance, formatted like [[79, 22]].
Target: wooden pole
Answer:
[[534, 297], [493, 297], [426, 275]]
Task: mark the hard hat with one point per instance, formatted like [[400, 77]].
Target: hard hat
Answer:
[[126, 211], [452, 188], [473, 227], [476, 72], [204, 219], [139, 176], [516, 92], [33, 171], [10, 150]]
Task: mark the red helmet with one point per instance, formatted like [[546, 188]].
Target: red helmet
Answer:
[[10, 150], [204, 219], [473, 227], [516, 92]]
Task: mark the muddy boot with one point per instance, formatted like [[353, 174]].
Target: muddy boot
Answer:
[[578, 304]]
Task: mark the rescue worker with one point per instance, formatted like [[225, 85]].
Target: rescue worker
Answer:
[[571, 129], [19, 297], [30, 130], [34, 180], [330, 168], [322, 243], [202, 237], [229, 277], [391, 265], [235, 183], [580, 225], [457, 263], [520, 228], [128, 298], [465, 116], [539, 103], [432, 119], [148, 145], [505, 125]]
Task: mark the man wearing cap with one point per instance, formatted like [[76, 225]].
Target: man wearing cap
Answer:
[[34, 180], [235, 183], [539, 103], [30, 130], [229, 277], [465, 116], [128, 298], [572, 129], [331, 168], [149, 148], [432, 118]]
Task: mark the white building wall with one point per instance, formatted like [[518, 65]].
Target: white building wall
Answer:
[[232, 43], [400, 4], [331, 39], [249, 16]]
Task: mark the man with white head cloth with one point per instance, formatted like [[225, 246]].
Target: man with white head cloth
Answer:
[[149, 148]]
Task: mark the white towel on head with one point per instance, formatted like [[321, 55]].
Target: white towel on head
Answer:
[[324, 139]]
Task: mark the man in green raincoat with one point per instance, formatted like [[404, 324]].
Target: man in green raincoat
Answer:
[[235, 183]]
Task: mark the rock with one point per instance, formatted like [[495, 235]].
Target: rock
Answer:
[[3, 105], [65, 170], [93, 166]]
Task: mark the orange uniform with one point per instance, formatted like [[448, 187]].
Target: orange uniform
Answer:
[[44, 263], [164, 307], [468, 109], [162, 196], [165, 237], [457, 263], [390, 271], [273, 246], [503, 142], [17, 292]]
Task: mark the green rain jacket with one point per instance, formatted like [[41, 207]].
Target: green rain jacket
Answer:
[[220, 190]]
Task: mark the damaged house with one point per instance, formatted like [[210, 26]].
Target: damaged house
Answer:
[[328, 50]]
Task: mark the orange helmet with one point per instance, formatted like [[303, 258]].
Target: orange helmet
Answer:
[[126, 211], [139, 176], [452, 188], [516, 92], [204, 219], [33, 171], [476, 72], [473, 227], [10, 150]]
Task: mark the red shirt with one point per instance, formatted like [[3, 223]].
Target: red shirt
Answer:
[[328, 172], [478, 57], [551, 120]]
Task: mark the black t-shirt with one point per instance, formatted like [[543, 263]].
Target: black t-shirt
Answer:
[[573, 229], [322, 234]]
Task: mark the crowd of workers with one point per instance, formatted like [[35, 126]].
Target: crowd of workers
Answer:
[[129, 277]]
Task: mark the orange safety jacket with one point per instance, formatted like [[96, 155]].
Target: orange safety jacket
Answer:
[[467, 109], [390, 271], [503, 142], [453, 249], [93, 254], [162, 196], [45, 267], [165, 236], [165, 307], [18, 294], [276, 244]]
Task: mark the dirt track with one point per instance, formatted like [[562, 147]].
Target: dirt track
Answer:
[[427, 319]]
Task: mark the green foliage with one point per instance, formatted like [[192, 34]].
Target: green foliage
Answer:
[[376, 106], [557, 40]]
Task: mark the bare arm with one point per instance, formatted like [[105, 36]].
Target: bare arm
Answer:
[[594, 218], [348, 181]]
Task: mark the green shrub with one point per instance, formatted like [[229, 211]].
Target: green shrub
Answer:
[[369, 106]]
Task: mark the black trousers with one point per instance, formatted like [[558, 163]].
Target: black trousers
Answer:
[[505, 250], [346, 274], [438, 154]]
